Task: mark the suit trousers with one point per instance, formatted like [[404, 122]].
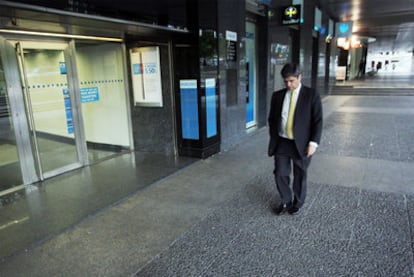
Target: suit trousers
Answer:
[[286, 155]]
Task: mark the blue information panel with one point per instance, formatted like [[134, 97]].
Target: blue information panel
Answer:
[[89, 94], [211, 115], [62, 67], [189, 109], [250, 101], [68, 110]]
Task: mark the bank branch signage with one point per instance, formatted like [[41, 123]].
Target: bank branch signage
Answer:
[[231, 45], [146, 76], [291, 15], [343, 29], [189, 109], [211, 107]]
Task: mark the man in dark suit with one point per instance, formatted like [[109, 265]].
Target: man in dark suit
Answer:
[[295, 126]]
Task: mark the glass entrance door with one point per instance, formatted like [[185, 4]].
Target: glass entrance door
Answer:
[[45, 108], [9, 161], [49, 106]]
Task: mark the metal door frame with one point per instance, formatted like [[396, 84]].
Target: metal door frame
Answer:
[[18, 111], [31, 167]]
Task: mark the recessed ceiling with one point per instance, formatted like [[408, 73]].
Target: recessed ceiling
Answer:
[[391, 22]]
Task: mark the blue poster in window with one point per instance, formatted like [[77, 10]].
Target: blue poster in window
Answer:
[[66, 100], [211, 115], [68, 110], [62, 67], [189, 109], [69, 115], [89, 94], [137, 68], [70, 126]]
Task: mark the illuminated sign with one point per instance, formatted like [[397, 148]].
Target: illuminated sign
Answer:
[[189, 109], [146, 76], [211, 107], [291, 15], [343, 29]]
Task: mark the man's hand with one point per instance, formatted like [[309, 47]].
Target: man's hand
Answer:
[[310, 150]]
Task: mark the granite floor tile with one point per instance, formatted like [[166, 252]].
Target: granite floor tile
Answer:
[[379, 258], [334, 210], [382, 217]]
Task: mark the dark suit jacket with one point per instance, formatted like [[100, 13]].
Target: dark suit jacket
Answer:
[[307, 125]]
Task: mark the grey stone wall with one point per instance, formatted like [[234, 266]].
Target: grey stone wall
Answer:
[[153, 127], [231, 17]]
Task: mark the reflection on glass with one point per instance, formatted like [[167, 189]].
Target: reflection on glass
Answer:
[[103, 98], [9, 162], [50, 107]]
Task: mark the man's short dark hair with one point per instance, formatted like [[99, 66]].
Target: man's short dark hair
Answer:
[[290, 69]]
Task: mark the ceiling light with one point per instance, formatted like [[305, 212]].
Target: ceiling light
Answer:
[[32, 33]]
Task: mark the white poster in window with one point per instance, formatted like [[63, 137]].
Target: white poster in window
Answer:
[[341, 73], [146, 76]]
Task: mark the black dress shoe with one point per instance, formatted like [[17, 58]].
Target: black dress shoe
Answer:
[[282, 208], [293, 210]]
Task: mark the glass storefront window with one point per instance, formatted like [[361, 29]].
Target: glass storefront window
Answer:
[[103, 98]]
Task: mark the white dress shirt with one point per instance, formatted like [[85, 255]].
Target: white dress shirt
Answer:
[[285, 112]]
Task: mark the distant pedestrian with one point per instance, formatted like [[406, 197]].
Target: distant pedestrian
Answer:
[[379, 66], [295, 126], [361, 68]]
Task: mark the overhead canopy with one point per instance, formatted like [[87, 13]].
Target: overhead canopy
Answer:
[[17, 16]]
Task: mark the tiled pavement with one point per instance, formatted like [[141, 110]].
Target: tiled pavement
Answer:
[[341, 232], [213, 218], [359, 224]]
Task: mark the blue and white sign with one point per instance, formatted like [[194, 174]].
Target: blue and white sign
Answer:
[[232, 36], [150, 68], [211, 114], [89, 94], [146, 76], [189, 109], [62, 67], [68, 110], [343, 29], [67, 102]]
